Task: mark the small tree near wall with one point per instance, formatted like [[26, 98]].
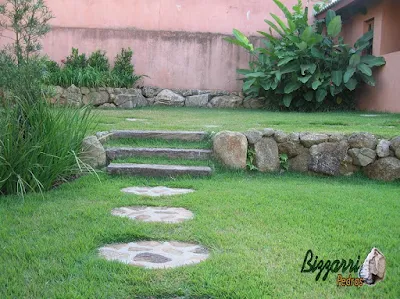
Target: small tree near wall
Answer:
[[28, 20]]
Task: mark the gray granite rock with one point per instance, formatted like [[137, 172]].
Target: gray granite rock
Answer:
[[327, 157], [362, 140], [267, 155], [197, 100], [385, 169], [253, 136], [362, 156], [169, 98], [310, 139], [93, 152], [228, 101], [383, 148], [231, 149]]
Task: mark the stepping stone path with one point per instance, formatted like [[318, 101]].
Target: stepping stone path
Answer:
[[156, 191], [155, 255], [154, 214]]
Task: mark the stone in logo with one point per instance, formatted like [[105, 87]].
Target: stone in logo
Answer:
[[374, 267]]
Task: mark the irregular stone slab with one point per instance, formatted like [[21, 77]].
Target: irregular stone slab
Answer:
[[155, 255], [197, 100], [253, 136], [385, 169], [157, 170], [267, 155], [166, 135], [169, 98], [231, 149], [156, 191], [228, 101], [336, 137], [131, 98], [362, 156], [383, 148], [327, 157], [310, 139], [360, 140], [93, 152], [154, 214], [126, 152]]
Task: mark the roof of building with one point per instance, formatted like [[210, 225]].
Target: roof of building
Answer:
[[328, 6]]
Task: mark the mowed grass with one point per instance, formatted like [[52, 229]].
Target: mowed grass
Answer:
[[257, 227], [192, 119]]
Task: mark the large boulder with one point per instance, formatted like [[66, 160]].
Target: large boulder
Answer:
[[327, 157], [197, 100], [385, 169], [383, 148], [228, 101], [169, 98], [96, 98], [230, 148], [73, 95], [130, 98], [301, 161], [360, 140], [395, 144], [362, 156], [93, 152], [267, 155], [310, 139]]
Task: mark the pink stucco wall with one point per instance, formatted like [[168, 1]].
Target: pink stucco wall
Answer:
[[177, 43], [385, 96]]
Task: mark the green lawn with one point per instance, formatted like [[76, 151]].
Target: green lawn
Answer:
[[257, 227], [191, 119]]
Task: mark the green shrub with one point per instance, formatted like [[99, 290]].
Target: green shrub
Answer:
[[99, 61], [76, 60], [305, 68], [93, 72], [39, 145]]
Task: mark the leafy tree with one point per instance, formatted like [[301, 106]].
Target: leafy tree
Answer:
[[28, 21], [301, 67]]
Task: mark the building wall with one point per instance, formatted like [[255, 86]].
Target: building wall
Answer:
[[176, 43], [385, 95]]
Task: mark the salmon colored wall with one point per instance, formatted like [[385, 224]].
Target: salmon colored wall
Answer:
[[385, 95], [177, 43]]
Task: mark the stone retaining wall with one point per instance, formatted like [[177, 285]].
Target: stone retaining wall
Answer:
[[129, 98], [327, 154]]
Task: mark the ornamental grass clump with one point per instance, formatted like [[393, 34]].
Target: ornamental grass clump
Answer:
[[306, 67], [39, 144]]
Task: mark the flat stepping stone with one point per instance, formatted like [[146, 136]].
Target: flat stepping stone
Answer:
[[369, 115], [155, 255], [154, 214], [166, 135], [156, 191], [211, 126], [157, 170], [135, 119], [126, 152]]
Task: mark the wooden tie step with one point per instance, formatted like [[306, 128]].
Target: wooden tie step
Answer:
[[157, 170], [173, 153], [166, 135]]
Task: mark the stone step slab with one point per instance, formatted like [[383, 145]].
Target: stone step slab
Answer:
[[157, 170], [154, 214], [126, 152], [166, 135]]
